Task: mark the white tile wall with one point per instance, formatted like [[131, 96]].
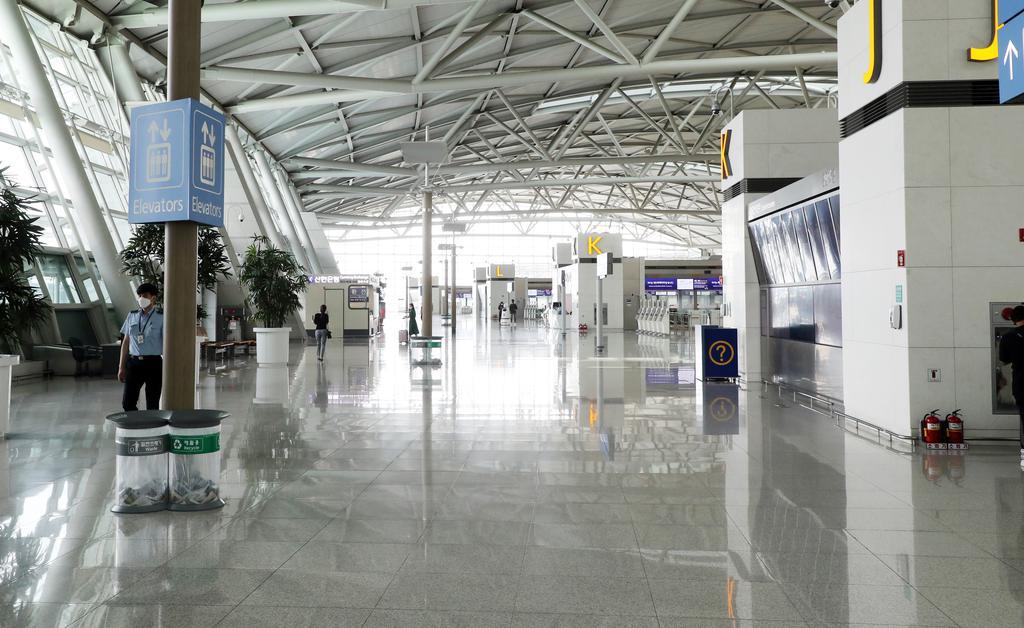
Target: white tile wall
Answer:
[[766, 143], [945, 184], [923, 40]]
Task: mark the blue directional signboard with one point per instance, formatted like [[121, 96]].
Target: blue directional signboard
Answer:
[[1011, 54], [177, 164], [717, 353], [1009, 9]]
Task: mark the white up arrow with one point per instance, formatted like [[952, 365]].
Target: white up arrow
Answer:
[[1010, 56], [209, 137]]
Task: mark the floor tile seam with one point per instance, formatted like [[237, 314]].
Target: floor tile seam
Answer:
[[394, 576], [938, 608], [908, 583], [647, 579], [256, 588]]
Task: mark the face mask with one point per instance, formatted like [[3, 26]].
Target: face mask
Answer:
[[145, 302]]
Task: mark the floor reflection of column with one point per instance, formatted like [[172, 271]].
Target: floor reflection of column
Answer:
[[426, 469]]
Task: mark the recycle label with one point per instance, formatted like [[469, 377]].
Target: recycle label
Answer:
[[141, 446], [195, 444]]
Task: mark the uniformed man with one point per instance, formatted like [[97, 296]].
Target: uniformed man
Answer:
[[141, 349]]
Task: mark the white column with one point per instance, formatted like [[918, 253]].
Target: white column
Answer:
[[114, 58], [277, 202], [87, 210], [294, 204], [264, 221]]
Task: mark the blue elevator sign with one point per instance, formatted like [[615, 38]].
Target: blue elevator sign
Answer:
[[1011, 62], [1009, 9], [177, 164]]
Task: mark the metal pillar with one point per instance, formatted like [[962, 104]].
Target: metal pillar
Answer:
[[426, 309], [447, 288], [277, 203], [453, 310], [302, 224], [182, 238], [265, 224], [600, 314], [117, 62], [14, 32]]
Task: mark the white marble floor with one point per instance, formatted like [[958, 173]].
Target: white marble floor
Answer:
[[526, 482]]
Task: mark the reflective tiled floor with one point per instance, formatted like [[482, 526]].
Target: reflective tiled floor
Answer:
[[524, 483]]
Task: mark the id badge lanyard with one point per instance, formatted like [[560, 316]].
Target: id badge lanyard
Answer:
[[143, 326]]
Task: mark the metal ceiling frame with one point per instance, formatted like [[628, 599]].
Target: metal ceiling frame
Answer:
[[550, 108]]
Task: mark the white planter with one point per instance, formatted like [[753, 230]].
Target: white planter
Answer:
[[272, 345], [6, 364]]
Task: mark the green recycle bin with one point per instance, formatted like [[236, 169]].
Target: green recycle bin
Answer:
[[194, 443], [140, 444]]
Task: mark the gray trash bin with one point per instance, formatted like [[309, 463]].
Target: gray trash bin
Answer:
[[141, 448], [195, 459]]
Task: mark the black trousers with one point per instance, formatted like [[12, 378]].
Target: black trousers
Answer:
[[1018, 395], [139, 373]]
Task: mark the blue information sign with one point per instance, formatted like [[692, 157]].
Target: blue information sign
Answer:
[[1011, 63], [1009, 9], [660, 284], [719, 352], [712, 283], [177, 164]]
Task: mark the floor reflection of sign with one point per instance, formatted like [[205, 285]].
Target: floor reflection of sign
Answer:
[[720, 408]]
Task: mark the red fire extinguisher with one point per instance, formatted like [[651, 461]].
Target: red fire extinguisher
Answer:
[[954, 427], [931, 428]]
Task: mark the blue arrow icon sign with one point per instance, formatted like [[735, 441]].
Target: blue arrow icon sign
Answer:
[[177, 163], [1010, 57], [1011, 64]]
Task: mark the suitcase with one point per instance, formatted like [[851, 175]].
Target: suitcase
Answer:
[[403, 336]]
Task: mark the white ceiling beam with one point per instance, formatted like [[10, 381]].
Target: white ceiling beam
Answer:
[[449, 41], [670, 28], [607, 31], [822, 26], [350, 166], [573, 162], [383, 87], [329, 191], [269, 9], [586, 42]]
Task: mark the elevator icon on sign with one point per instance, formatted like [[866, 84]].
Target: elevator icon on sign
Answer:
[[207, 152], [158, 155], [208, 157]]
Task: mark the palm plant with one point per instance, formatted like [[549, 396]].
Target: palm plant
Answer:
[[143, 257], [22, 308], [273, 280]]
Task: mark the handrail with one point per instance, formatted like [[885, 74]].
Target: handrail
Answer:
[[839, 416]]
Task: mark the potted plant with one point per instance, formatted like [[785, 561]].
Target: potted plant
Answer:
[[22, 309], [273, 280], [143, 258]]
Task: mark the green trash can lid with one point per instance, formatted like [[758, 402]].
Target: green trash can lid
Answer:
[[140, 419], [197, 418]]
